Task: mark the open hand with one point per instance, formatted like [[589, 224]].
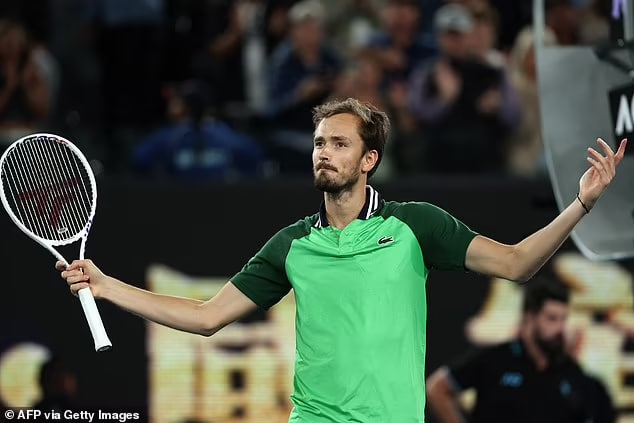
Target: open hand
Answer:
[[596, 179], [449, 83]]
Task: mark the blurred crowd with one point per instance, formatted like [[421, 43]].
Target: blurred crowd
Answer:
[[225, 88]]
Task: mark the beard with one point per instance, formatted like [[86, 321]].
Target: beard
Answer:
[[553, 348], [327, 182]]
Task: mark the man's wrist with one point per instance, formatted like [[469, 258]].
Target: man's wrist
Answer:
[[587, 206], [106, 287]]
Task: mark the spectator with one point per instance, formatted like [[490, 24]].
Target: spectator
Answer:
[[400, 46], [194, 146], [529, 379], [350, 24], [58, 385], [25, 91], [362, 80], [562, 18], [303, 74], [468, 107], [594, 21], [242, 35], [526, 150], [485, 33]]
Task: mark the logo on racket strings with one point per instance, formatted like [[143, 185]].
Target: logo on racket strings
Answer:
[[49, 200]]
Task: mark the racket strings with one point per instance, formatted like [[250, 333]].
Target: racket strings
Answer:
[[41, 181], [58, 184], [83, 192], [52, 187], [35, 194], [25, 180], [29, 191], [64, 193], [64, 184], [49, 188], [15, 182]]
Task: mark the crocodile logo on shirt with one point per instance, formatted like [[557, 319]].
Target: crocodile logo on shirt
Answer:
[[385, 240]]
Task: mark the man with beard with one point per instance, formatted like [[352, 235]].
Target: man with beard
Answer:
[[529, 379], [358, 269]]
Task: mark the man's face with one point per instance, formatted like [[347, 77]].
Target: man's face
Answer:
[[454, 44], [401, 21], [308, 34], [339, 156], [549, 328]]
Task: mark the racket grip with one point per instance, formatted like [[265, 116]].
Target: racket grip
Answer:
[[102, 343]]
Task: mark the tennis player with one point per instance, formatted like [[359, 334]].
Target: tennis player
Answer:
[[358, 269]]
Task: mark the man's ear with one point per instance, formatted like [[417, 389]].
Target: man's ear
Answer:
[[369, 160]]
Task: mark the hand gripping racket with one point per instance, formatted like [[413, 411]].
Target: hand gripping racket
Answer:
[[49, 191]]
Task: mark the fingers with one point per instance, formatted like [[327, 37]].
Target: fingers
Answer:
[[600, 168], [606, 147], [79, 264], [607, 163], [604, 165], [614, 158], [74, 273], [75, 276], [595, 164], [610, 160], [609, 154], [621, 151]]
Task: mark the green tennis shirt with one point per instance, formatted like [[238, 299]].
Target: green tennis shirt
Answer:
[[361, 306]]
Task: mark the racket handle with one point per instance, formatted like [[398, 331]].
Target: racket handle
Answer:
[[102, 343]]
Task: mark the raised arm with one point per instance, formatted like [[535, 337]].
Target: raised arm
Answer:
[[521, 261], [185, 314]]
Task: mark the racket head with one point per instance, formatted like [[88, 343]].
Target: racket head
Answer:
[[48, 189]]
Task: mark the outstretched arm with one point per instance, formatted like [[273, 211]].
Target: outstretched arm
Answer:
[[521, 261], [185, 314]]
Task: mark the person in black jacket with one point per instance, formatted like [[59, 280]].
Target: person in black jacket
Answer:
[[58, 385], [530, 379]]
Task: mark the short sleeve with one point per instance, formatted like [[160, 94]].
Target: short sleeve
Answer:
[[467, 372], [443, 238], [263, 279]]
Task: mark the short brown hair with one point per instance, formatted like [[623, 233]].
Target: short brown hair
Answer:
[[537, 292], [375, 124]]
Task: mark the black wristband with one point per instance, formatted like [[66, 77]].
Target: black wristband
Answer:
[[583, 204]]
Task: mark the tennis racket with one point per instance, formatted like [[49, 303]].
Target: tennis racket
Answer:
[[49, 191]]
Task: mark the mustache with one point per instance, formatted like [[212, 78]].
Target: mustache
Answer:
[[325, 166]]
